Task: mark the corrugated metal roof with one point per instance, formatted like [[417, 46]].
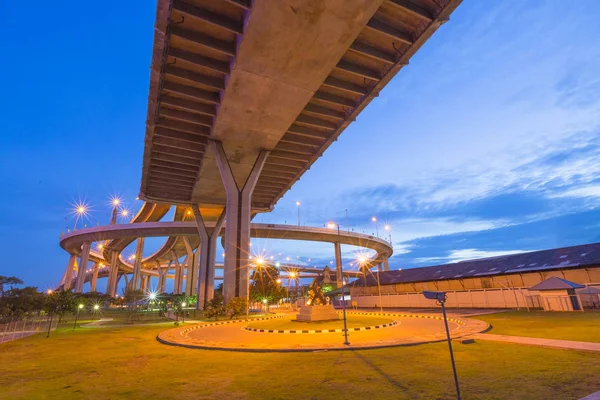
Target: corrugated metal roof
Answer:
[[562, 258]]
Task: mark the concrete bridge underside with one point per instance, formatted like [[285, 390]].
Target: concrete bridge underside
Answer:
[[246, 95]]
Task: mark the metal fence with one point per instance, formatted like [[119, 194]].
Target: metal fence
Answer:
[[18, 329]]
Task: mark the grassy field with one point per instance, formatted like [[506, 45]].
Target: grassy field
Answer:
[[128, 363], [551, 325], [353, 321]]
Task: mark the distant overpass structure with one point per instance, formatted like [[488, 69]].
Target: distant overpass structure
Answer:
[[245, 95]]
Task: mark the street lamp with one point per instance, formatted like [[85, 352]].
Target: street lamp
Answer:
[[183, 304], [332, 225], [388, 228], [441, 297], [79, 307], [374, 219], [298, 205]]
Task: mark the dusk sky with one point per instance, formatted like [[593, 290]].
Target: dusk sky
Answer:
[[486, 144]]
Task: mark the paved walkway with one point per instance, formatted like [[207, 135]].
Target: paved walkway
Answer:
[[559, 344], [411, 329]]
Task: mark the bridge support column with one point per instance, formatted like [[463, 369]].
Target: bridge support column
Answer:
[[386, 264], [237, 229], [177, 289], [82, 270], [137, 265], [162, 276], [208, 252], [94, 280], [338, 264], [69, 272], [111, 287], [191, 276]]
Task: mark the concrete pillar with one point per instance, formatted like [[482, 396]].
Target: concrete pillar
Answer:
[[207, 257], [380, 266], [338, 264], [191, 275], [178, 274], [69, 272], [137, 265], [386, 264], [237, 230], [94, 280], [83, 263], [113, 272], [162, 276]]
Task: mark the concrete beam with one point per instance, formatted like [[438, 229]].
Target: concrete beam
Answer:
[[69, 272], [83, 263]]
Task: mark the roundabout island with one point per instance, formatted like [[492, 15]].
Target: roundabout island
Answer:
[[280, 333]]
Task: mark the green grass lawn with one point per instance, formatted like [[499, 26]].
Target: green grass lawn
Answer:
[[353, 321], [128, 363], [550, 325]]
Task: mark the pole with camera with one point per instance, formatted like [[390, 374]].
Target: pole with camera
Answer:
[[441, 297]]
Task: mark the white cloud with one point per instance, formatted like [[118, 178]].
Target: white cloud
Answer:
[[469, 254], [418, 228], [580, 192]]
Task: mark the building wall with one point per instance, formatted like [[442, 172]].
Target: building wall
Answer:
[[504, 291]]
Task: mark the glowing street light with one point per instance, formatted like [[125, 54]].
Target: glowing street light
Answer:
[[374, 220], [298, 205], [79, 307], [388, 228], [152, 296]]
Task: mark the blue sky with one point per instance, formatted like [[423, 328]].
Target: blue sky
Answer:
[[487, 143]]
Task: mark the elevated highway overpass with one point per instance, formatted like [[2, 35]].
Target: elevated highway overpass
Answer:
[[78, 243], [246, 95]]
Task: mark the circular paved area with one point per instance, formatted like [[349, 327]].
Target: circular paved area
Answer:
[[411, 329]]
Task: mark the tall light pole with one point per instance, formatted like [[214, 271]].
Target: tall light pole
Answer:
[[79, 307], [374, 219], [388, 228], [441, 297], [115, 201], [298, 205], [333, 225]]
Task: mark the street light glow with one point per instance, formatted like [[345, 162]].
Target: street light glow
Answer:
[[278, 280], [260, 261], [183, 304], [80, 306], [374, 219], [49, 291], [298, 203], [96, 306], [331, 225], [387, 227], [152, 296], [293, 274]]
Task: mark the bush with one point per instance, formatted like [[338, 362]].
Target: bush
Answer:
[[214, 308], [236, 306]]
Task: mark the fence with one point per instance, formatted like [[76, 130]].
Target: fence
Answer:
[[18, 329], [474, 298]]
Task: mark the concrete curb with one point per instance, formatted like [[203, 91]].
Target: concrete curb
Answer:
[[313, 331]]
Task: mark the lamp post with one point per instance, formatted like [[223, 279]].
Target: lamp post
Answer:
[[183, 312], [374, 219], [298, 205], [389, 229], [441, 297], [79, 307], [333, 225]]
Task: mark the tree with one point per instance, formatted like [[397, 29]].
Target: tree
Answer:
[[236, 306], [214, 307], [60, 303], [15, 303], [8, 280], [264, 285]]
